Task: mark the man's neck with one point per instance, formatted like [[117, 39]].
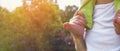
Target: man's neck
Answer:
[[103, 1]]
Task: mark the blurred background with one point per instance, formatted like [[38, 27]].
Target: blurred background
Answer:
[[36, 25]]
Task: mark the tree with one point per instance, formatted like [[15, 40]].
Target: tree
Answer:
[[34, 27], [45, 21], [68, 13]]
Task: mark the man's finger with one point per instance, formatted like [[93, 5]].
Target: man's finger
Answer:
[[117, 14], [79, 13], [118, 17], [80, 23], [78, 18], [118, 20]]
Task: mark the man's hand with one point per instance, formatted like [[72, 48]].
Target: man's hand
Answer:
[[117, 22], [76, 24]]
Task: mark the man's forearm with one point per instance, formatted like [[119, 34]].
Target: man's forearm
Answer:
[[79, 42]]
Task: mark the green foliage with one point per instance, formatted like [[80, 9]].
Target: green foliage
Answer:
[[68, 13], [37, 27]]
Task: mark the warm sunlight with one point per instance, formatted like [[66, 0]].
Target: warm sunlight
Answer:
[[37, 26], [12, 4], [59, 25], [63, 3]]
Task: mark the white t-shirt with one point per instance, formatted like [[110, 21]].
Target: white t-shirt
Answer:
[[102, 37]]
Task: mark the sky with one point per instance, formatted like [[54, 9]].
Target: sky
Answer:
[[12, 4], [63, 3]]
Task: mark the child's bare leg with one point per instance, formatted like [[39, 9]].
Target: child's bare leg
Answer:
[[117, 22]]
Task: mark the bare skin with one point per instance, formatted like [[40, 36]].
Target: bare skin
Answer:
[[79, 20], [76, 27], [116, 21], [103, 1], [77, 24]]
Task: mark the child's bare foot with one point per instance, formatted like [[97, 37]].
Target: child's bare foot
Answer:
[[117, 22]]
